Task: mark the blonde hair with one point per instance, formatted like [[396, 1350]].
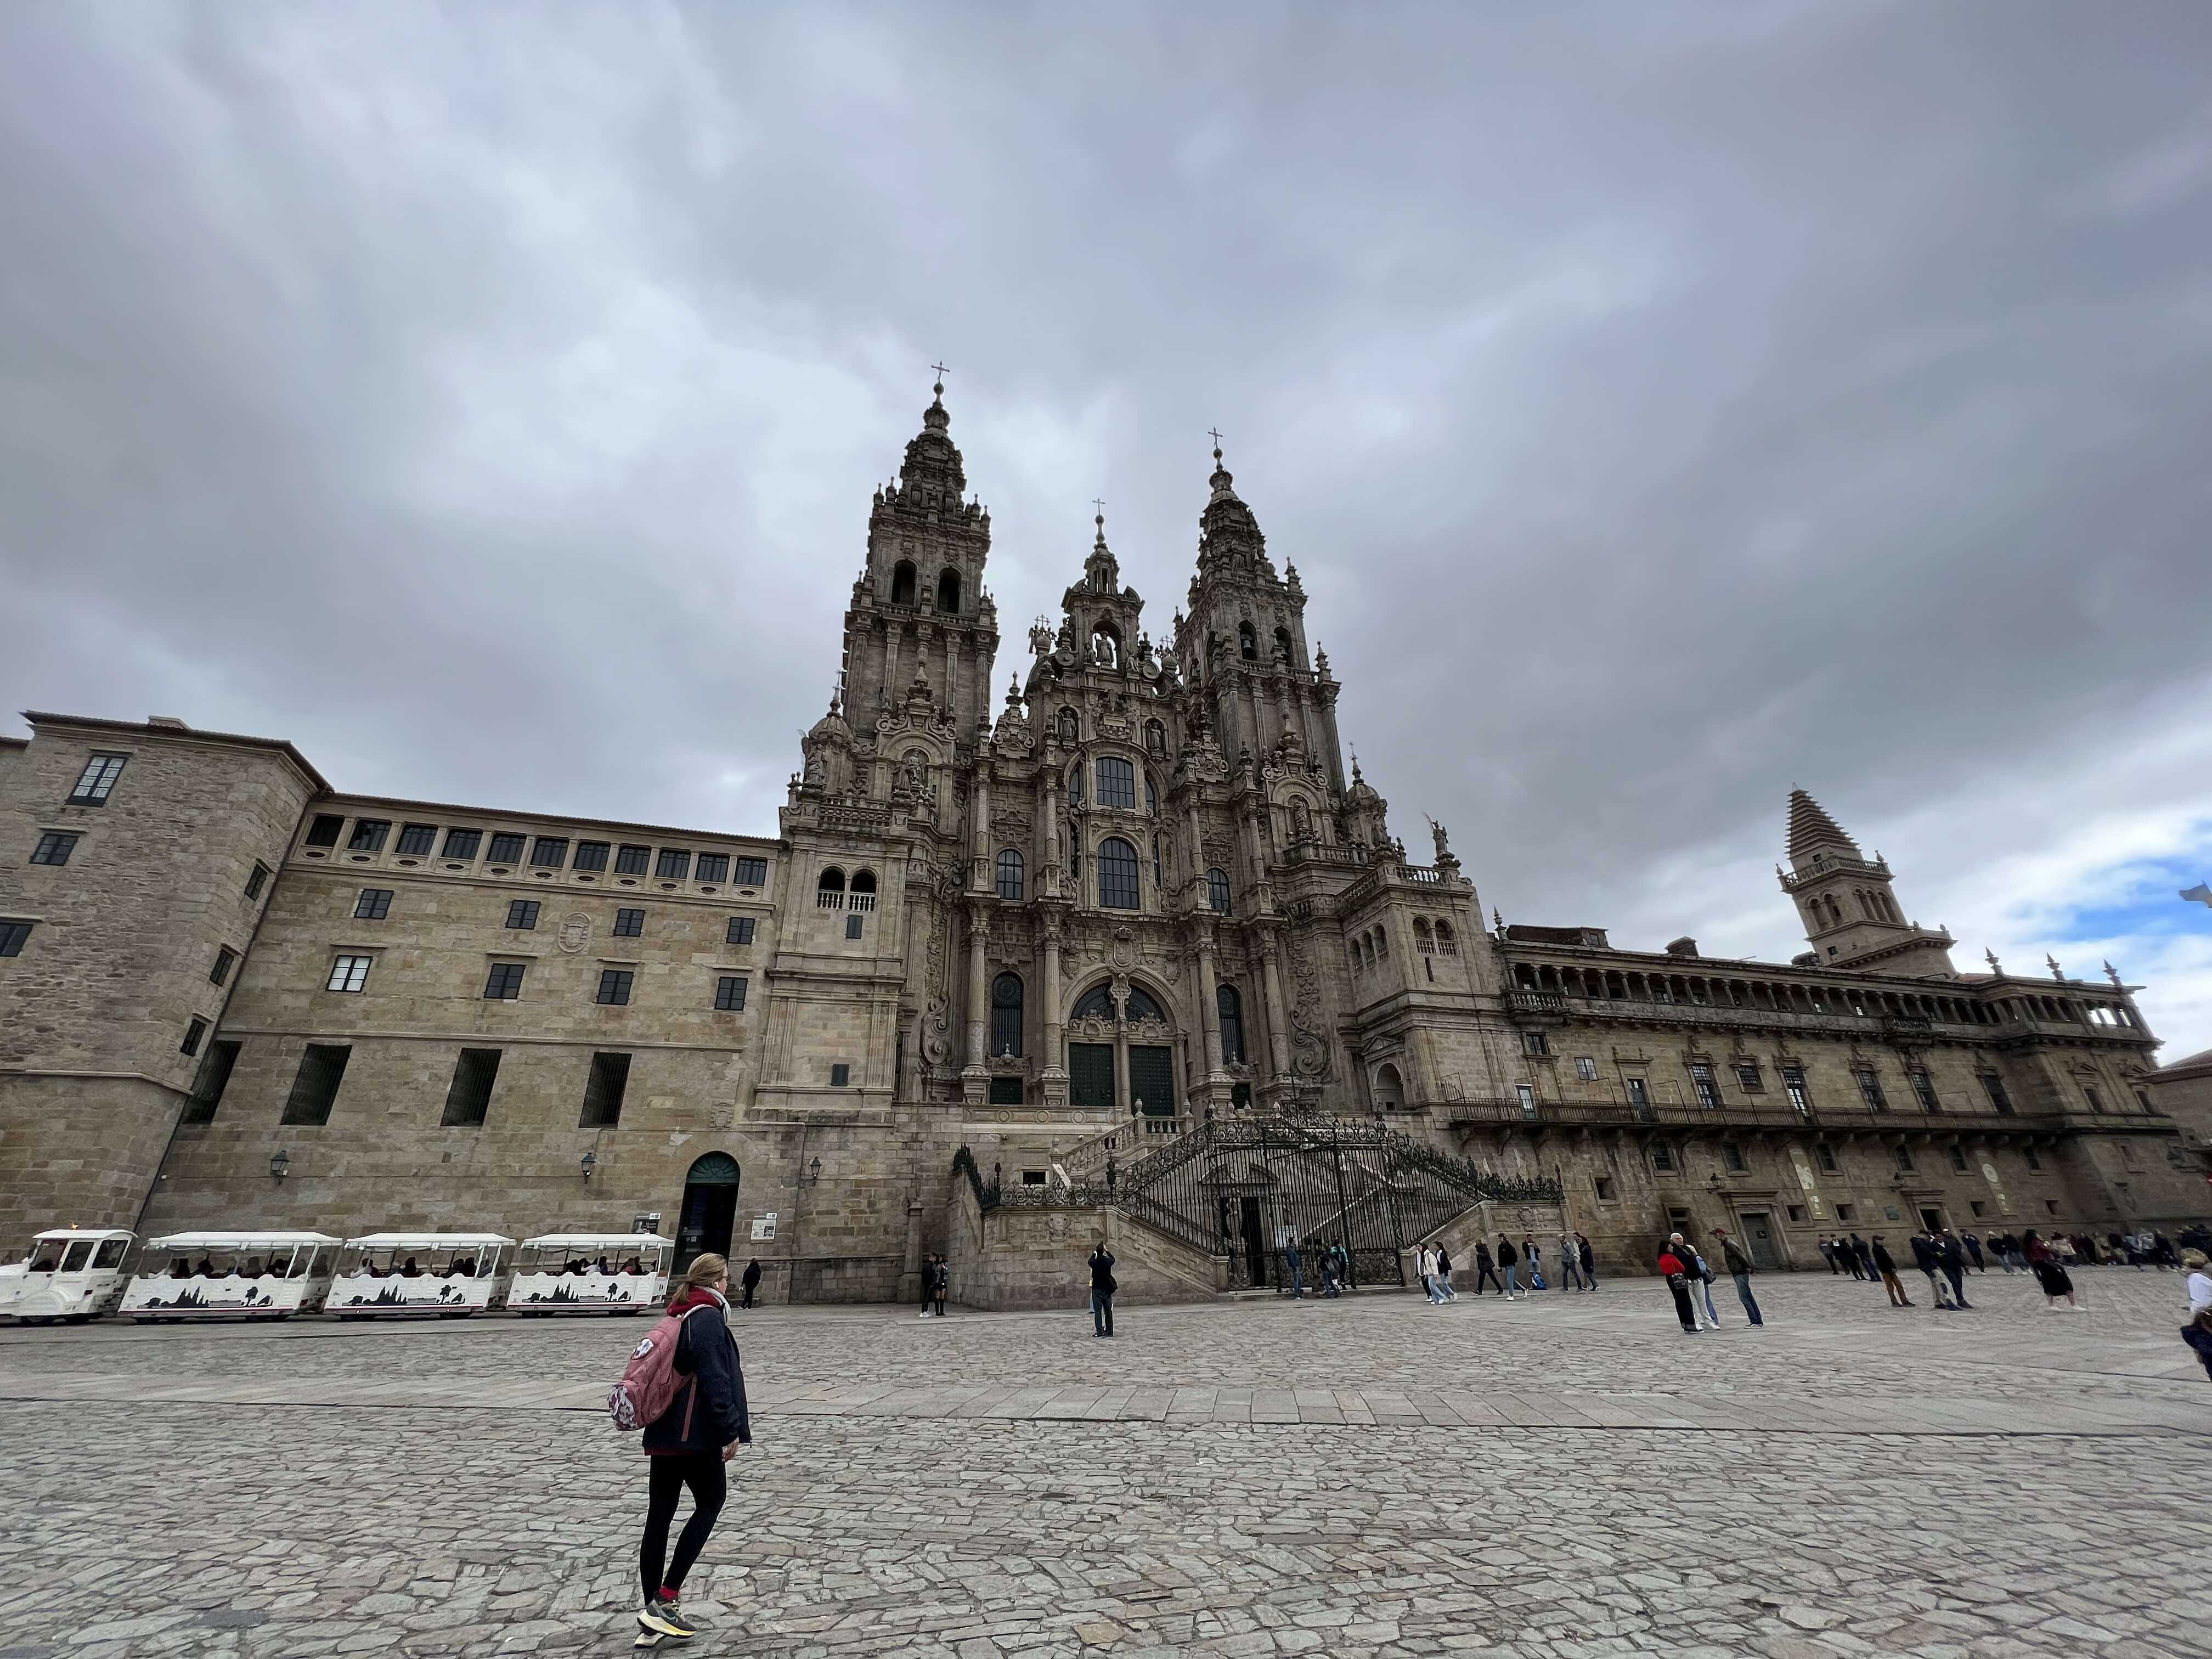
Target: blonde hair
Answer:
[[705, 1269]]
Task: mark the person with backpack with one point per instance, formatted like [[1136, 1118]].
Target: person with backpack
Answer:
[[694, 1368]]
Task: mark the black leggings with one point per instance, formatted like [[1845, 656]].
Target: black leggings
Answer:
[[1487, 1277], [703, 1472]]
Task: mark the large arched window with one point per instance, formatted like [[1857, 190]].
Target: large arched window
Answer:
[[1248, 642], [1389, 1089], [830, 890], [948, 590], [1117, 783], [1010, 874], [1446, 946], [1006, 1015], [1231, 1008], [1098, 1003], [1117, 874], [902, 582], [1140, 1006], [864, 889], [1216, 891]]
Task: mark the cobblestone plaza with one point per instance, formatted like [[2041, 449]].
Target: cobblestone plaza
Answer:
[[1568, 1475]]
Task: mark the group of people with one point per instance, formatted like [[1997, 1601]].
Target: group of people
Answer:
[[1689, 1278], [1503, 1267], [1945, 1257]]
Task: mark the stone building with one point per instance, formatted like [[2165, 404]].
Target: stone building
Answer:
[[1141, 902]]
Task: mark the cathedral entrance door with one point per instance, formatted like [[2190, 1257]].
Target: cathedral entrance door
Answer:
[[1257, 1258], [1152, 1080], [1090, 1076], [709, 1212]]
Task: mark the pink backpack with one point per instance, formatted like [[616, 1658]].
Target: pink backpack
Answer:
[[650, 1381]]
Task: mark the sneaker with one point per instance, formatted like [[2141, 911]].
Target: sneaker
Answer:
[[664, 1619]]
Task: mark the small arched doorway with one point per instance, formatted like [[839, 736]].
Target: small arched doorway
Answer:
[[710, 1209], [1389, 1090]]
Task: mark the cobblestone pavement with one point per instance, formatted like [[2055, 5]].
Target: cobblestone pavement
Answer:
[[1567, 1476]]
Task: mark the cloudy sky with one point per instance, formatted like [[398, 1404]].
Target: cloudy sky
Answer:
[[1663, 405]]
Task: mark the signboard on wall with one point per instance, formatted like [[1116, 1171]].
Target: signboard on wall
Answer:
[[648, 1222], [764, 1226]]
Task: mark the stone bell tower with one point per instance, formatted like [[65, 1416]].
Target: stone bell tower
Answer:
[[1848, 903]]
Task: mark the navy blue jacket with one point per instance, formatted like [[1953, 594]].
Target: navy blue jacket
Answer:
[[709, 1411]]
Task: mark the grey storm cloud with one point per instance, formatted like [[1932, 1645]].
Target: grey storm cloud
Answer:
[[1663, 405]]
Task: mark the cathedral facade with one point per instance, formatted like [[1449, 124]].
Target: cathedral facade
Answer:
[[1135, 893]]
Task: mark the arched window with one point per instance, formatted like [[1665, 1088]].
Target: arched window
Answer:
[[1010, 874], [1248, 642], [1006, 1015], [1389, 1092], [902, 582], [1446, 945], [1382, 945], [1140, 1006], [1117, 783], [1070, 730], [830, 890], [1282, 645], [1117, 874], [1098, 1003], [948, 590], [864, 889], [1422, 940], [1228, 1007], [1216, 891]]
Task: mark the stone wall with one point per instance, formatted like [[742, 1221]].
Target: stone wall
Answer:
[[1019, 1257]]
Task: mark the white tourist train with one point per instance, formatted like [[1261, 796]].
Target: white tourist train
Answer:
[[590, 1272], [68, 1273], [395, 1274], [230, 1275]]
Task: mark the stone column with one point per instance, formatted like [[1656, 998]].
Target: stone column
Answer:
[[1120, 1054], [1055, 1075], [894, 636], [1278, 1034], [1196, 890], [1048, 833], [1209, 1007], [979, 870], [979, 1011]]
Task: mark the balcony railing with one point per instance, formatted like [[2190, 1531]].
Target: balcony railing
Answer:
[[1731, 1115]]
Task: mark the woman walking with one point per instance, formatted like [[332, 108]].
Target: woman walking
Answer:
[[2197, 1333], [687, 1444], [1508, 1264], [2049, 1272]]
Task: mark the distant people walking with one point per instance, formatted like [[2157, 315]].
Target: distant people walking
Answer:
[[1486, 1271], [1444, 1273], [2050, 1273], [1885, 1264], [1533, 1258], [1590, 1261], [1102, 1287], [1737, 1261], [1508, 1264], [1828, 1256], [687, 1443], [2197, 1333], [1953, 1261], [1974, 1249], [1425, 1264], [750, 1281], [1865, 1253], [1570, 1264], [1924, 1257], [1676, 1273]]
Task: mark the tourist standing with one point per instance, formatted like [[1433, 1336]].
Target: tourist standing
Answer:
[[1509, 1262], [2050, 1273], [1860, 1247], [1571, 1266], [1589, 1261], [2197, 1333], [1885, 1264], [687, 1443], [1700, 1278], [1676, 1273], [1737, 1261], [1486, 1271], [1296, 1271], [942, 1282], [1102, 1287]]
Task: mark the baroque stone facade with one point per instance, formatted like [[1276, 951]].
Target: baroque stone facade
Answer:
[[1143, 892]]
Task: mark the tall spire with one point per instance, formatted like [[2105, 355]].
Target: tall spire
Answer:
[[1811, 829]]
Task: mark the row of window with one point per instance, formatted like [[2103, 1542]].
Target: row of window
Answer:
[[508, 847], [375, 904], [1751, 1080], [1122, 881], [1008, 998], [350, 973], [1663, 1159]]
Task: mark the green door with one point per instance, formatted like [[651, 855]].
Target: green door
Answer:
[[1091, 1075], [1152, 1080]]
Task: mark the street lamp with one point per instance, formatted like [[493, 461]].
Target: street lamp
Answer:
[[280, 1164], [589, 1162]]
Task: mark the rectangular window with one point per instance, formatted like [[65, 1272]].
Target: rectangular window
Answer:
[[1033, 1177], [1793, 1084], [505, 847], [840, 1077], [1993, 1086], [1640, 1095], [1535, 1042], [195, 1034], [522, 914], [324, 831], [469, 1095], [614, 987], [1796, 1212], [505, 983], [674, 864], [1749, 1079], [348, 973], [1586, 1068], [591, 855], [257, 880], [852, 926], [463, 843], [730, 993], [213, 1078], [1605, 1189], [1845, 1211], [1924, 1089], [1958, 1159], [97, 781], [1732, 1156], [740, 932], [368, 835], [1824, 1155], [714, 866], [1977, 1207], [2029, 1154], [54, 847], [1006, 1091], [629, 924], [1709, 1091], [416, 840], [1871, 1090], [1905, 1160], [2096, 1102], [322, 1068], [604, 1090], [13, 936], [1527, 1094], [548, 853], [374, 904], [632, 860], [225, 960], [1662, 1156], [1117, 783], [749, 872]]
